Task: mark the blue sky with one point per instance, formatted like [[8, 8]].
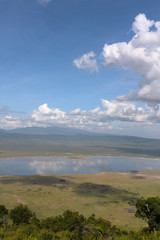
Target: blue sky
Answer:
[[55, 69]]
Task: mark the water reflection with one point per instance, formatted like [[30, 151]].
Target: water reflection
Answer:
[[60, 165]]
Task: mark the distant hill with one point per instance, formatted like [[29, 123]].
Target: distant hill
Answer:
[[49, 130], [63, 141]]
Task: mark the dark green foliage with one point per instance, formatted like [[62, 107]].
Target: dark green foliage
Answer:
[[3, 211], [101, 190], [72, 220], [34, 220], [73, 226], [53, 223], [149, 210], [46, 235], [28, 230], [101, 227], [80, 227], [21, 214], [3, 215]]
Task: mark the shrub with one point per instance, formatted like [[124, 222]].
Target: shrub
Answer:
[[21, 214]]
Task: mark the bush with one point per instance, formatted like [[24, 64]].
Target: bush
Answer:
[[149, 210], [21, 214], [45, 235]]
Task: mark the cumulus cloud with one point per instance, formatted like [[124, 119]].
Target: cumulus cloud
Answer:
[[48, 116], [107, 118], [76, 118], [142, 56], [124, 111], [113, 111], [8, 122], [87, 62]]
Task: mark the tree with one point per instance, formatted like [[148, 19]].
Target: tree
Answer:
[[3, 215], [149, 210], [73, 220], [21, 214], [3, 211]]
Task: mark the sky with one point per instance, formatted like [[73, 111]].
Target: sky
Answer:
[[86, 64]]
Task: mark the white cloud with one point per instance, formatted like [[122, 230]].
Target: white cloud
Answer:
[[147, 93], [87, 62], [142, 24], [9, 122], [99, 119], [142, 56], [76, 111], [113, 111], [48, 116], [124, 111]]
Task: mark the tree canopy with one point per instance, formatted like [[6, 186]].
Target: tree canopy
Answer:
[[21, 214], [149, 210]]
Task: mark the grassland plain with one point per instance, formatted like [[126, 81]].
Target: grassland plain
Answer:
[[24, 145], [108, 195]]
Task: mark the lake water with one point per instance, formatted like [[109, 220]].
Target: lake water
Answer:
[[61, 165]]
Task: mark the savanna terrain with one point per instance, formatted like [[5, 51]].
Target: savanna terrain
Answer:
[[108, 195], [53, 142]]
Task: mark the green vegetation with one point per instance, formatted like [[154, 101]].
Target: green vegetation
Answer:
[[149, 210], [111, 196], [74, 226], [3, 214], [3, 211], [21, 215], [39, 143]]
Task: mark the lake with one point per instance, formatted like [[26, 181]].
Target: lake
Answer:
[[61, 165]]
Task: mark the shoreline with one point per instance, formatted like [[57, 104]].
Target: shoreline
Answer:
[[80, 156], [139, 173]]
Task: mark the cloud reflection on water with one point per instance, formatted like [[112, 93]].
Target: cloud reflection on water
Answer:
[[59, 165], [62, 166]]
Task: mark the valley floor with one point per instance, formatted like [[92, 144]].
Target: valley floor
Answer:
[[108, 195]]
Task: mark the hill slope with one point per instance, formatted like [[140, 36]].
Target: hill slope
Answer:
[[59, 141]]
